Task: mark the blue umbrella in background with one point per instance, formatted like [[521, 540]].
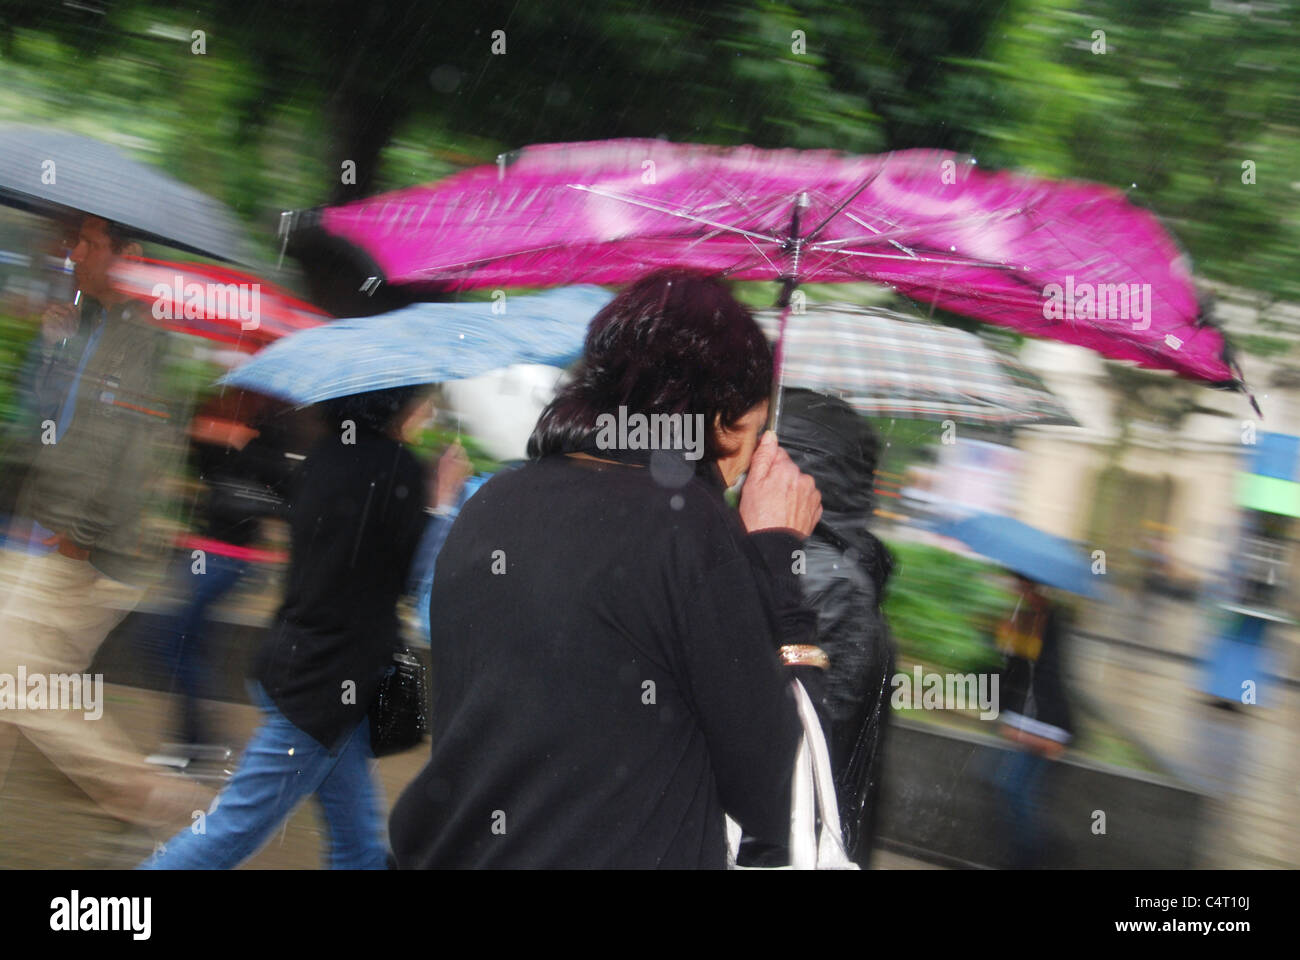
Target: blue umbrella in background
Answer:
[[422, 343], [1052, 561]]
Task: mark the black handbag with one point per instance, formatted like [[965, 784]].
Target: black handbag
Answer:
[[399, 716]]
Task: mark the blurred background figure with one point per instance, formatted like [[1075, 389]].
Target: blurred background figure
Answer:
[[847, 568], [246, 472], [106, 435], [1242, 661], [1035, 714]]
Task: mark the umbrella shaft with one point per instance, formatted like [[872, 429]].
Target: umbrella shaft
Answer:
[[778, 352]]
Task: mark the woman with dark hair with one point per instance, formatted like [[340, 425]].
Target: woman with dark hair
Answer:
[[355, 518], [606, 632]]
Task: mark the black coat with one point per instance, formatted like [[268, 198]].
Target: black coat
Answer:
[[355, 519], [605, 675], [1032, 691], [847, 569]]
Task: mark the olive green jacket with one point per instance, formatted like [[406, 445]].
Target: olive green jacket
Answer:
[[96, 481]]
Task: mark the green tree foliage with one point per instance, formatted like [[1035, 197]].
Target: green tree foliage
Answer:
[[1180, 96], [942, 608]]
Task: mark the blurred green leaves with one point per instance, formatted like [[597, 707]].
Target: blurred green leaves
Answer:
[[942, 606], [1182, 95]]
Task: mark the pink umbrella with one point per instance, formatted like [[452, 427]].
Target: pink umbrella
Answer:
[[1069, 261]]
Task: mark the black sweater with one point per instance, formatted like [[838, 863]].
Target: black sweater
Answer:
[[355, 519], [606, 696]]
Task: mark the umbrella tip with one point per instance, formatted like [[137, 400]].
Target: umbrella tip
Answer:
[[287, 220]]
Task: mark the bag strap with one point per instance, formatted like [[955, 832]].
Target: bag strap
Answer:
[[814, 797], [812, 800]]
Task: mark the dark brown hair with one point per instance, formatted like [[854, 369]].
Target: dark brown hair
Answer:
[[676, 341]]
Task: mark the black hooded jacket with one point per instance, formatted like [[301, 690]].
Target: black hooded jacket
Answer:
[[847, 568]]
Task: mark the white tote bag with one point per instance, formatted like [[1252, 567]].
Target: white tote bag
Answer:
[[812, 798]]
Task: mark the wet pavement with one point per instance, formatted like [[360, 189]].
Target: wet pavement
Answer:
[[1147, 678], [1136, 661], [47, 822]]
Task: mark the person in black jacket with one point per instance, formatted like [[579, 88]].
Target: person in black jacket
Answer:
[[606, 674], [844, 581], [355, 519]]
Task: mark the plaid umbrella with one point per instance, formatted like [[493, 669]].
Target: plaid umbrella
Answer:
[[887, 364]]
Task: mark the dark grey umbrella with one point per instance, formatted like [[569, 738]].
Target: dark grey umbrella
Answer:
[[52, 172]]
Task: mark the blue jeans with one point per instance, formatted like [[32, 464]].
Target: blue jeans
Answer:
[[282, 765], [1022, 773], [183, 643]]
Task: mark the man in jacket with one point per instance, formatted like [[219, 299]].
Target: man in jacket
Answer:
[[103, 434]]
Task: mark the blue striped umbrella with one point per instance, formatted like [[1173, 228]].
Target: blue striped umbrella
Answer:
[[422, 343]]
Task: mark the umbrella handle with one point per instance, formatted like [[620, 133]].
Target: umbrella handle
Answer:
[[778, 352], [793, 246]]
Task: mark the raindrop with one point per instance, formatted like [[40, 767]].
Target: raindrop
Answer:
[[677, 501], [445, 79], [671, 469]]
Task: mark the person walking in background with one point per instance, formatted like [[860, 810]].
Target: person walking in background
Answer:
[[607, 632], [844, 582], [105, 439], [1035, 714], [355, 520], [246, 472]]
